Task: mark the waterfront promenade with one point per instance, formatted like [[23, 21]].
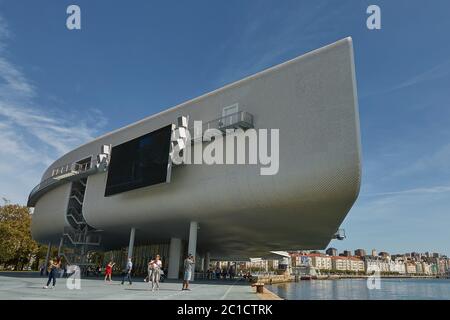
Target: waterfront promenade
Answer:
[[28, 285]]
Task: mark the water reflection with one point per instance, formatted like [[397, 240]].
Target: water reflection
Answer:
[[354, 289]]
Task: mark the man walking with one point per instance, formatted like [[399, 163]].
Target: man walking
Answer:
[[127, 272], [189, 266]]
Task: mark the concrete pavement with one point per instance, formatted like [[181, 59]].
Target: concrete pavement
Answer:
[[29, 286]]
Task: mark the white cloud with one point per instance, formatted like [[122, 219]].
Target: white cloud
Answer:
[[415, 191], [438, 161], [439, 71], [31, 137]]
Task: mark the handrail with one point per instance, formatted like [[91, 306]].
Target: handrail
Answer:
[[73, 167], [242, 119], [52, 182]]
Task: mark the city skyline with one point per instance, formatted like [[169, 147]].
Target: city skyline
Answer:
[[119, 67]]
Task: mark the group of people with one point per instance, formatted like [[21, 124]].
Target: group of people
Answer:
[[223, 273], [154, 271]]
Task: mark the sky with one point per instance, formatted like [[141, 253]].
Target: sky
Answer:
[[60, 88]]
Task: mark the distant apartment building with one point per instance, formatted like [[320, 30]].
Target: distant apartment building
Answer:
[[354, 264], [320, 261], [347, 253], [434, 268], [411, 268], [397, 267], [331, 252], [419, 268], [443, 266], [416, 255], [374, 253], [384, 255], [374, 263], [360, 252], [339, 263], [300, 260], [426, 268]]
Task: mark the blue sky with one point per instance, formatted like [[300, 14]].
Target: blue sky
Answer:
[[60, 88]]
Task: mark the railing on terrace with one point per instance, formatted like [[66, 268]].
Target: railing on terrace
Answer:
[[238, 120], [72, 169]]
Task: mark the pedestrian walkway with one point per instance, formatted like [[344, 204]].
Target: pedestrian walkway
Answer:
[[16, 286]]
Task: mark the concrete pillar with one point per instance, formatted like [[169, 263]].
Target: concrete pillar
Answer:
[[61, 242], [47, 257], [174, 258], [131, 243], [202, 264], [207, 261], [192, 246]]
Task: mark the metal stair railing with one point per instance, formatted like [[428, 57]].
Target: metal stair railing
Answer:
[[76, 199], [76, 213], [77, 222], [81, 237]]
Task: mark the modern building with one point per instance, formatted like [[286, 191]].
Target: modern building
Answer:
[[360, 252], [332, 252], [129, 186]]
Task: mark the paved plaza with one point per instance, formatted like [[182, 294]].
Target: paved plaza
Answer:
[[29, 286]]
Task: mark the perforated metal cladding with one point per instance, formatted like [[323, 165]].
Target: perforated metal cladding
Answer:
[[312, 101]]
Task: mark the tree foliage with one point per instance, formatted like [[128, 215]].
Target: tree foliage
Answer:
[[16, 244]]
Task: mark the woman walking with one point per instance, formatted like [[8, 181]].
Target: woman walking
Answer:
[[156, 274], [108, 271], [52, 269], [150, 267]]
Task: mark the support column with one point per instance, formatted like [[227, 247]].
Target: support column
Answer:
[[192, 247], [131, 243], [202, 264], [174, 258], [47, 257], [61, 242], [207, 261]]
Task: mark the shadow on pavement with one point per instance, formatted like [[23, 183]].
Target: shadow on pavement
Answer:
[[118, 279]]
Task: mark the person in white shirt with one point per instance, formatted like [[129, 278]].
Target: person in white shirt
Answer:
[[155, 266]]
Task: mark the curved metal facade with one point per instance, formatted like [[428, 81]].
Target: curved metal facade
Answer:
[[311, 99]]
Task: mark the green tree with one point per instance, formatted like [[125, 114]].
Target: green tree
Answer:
[[16, 244]]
